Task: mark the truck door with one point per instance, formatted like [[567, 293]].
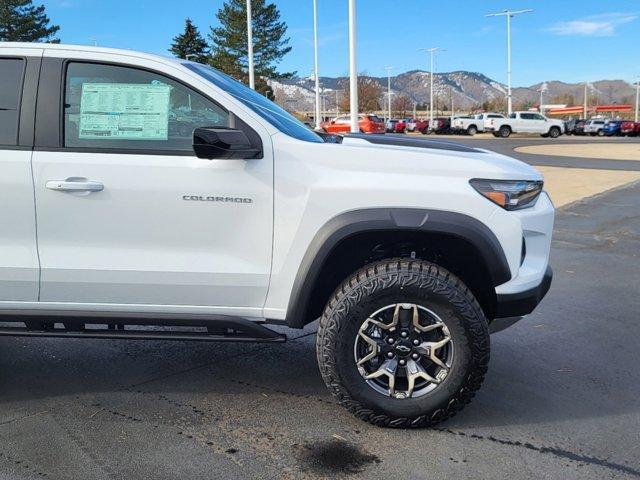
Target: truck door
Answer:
[[127, 214], [19, 267]]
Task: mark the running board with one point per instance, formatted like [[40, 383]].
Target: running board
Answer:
[[217, 329]]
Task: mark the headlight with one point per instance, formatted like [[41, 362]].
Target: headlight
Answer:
[[509, 194]]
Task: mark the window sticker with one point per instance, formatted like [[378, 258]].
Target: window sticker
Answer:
[[123, 111]]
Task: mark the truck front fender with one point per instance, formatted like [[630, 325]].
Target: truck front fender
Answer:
[[354, 222]]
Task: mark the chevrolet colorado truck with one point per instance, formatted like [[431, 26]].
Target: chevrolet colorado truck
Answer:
[[153, 198], [525, 122]]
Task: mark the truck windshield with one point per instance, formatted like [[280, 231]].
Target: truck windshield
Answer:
[[272, 113]]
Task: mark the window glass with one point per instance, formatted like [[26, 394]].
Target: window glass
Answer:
[[269, 111], [108, 106], [11, 71], [537, 116], [512, 115], [527, 116]]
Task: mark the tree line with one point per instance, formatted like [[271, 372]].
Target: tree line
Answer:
[[227, 49]]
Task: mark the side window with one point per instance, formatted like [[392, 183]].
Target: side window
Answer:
[[537, 116], [11, 75], [108, 106], [527, 116]]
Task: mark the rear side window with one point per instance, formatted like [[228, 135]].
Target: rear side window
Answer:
[[115, 107], [11, 77]]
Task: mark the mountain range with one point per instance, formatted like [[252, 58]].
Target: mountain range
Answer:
[[469, 89]]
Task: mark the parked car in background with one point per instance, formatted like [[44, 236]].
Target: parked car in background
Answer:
[[578, 129], [594, 127], [474, 123], [421, 126], [571, 126], [366, 123], [441, 125], [613, 128], [526, 122], [390, 125], [629, 128], [411, 124], [401, 126]]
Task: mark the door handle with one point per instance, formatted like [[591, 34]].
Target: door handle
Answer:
[[74, 185]]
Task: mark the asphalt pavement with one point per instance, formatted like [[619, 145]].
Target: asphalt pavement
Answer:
[[561, 400]]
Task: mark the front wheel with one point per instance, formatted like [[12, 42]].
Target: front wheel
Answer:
[[504, 132], [403, 343], [554, 132], [472, 130]]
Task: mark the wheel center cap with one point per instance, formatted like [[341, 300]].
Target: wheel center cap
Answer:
[[403, 350]]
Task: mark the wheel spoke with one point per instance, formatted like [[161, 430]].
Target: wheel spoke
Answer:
[[415, 372], [430, 349], [387, 369], [371, 342]]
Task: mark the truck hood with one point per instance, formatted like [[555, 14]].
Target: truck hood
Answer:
[[427, 156]]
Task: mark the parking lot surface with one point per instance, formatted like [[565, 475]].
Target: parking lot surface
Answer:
[[561, 399]]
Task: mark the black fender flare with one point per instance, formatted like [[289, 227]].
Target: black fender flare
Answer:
[[354, 222]]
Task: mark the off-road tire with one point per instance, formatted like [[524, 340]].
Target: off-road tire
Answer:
[[401, 281]]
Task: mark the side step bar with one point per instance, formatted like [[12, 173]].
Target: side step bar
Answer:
[[213, 329]]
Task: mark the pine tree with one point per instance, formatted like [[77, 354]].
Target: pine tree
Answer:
[[190, 45], [21, 21], [229, 51]]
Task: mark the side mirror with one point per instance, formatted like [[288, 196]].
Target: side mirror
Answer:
[[222, 143]]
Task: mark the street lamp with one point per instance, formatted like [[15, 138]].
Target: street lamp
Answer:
[[431, 52], [388, 69], [315, 59], [252, 80], [353, 73], [543, 88], [509, 14]]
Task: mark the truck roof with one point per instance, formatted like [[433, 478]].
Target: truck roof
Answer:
[[88, 49]]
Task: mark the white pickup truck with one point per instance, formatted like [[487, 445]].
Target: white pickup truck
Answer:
[[138, 190], [525, 122], [473, 124]]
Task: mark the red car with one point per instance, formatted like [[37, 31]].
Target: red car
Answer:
[[401, 126], [630, 129], [366, 123]]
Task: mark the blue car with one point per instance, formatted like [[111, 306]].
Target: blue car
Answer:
[[612, 128]]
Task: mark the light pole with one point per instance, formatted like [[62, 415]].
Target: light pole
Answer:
[[315, 59], [431, 52], [509, 14], [252, 80], [637, 99], [543, 88], [353, 70], [388, 69]]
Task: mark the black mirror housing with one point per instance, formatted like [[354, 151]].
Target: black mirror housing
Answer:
[[222, 144]]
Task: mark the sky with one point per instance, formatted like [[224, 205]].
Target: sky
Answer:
[[567, 40]]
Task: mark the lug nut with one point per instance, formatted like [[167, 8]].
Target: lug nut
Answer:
[[390, 355], [416, 342], [402, 362], [404, 334], [390, 340], [415, 356]]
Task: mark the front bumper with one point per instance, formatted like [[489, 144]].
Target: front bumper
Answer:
[[523, 303]]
